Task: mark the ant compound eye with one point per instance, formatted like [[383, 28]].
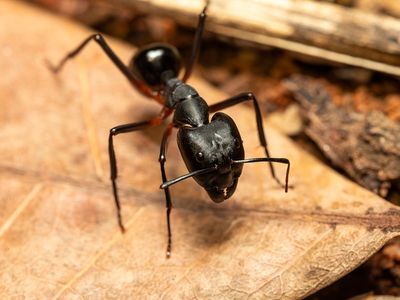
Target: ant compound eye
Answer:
[[199, 156], [237, 143]]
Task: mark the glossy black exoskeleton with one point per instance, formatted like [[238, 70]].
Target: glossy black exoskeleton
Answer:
[[150, 63], [211, 149]]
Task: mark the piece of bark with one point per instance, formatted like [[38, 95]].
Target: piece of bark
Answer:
[[323, 30], [366, 146], [58, 230]]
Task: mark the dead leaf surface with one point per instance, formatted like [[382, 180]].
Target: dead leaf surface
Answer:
[[59, 236]]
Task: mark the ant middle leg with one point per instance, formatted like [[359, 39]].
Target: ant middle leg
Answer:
[[113, 162], [196, 44], [260, 127], [162, 159], [98, 38]]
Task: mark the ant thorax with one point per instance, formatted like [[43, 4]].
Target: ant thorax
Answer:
[[190, 109]]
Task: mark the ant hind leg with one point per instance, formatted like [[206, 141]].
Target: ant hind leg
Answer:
[[98, 38], [196, 44]]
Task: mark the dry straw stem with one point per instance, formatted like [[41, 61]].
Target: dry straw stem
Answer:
[[326, 31], [59, 236]]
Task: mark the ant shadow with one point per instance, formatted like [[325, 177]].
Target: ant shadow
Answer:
[[207, 224]]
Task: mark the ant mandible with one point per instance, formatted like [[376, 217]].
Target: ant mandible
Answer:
[[212, 150]]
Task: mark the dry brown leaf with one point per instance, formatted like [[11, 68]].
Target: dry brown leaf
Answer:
[[59, 236]]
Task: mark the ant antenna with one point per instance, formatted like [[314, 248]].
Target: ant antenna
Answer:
[[186, 176], [268, 159]]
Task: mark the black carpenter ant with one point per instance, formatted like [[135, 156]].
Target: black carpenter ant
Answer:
[[212, 150]]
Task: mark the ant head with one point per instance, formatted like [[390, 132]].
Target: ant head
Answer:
[[151, 62], [216, 144]]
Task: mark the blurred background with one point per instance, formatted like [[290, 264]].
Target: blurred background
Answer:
[[333, 78]]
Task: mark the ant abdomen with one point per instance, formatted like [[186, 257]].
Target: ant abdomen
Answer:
[[153, 62]]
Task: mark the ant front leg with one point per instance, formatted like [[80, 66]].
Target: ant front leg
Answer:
[[113, 162], [98, 38], [162, 159], [196, 44], [260, 127]]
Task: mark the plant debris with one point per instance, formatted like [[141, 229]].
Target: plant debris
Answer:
[[366, 146]]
